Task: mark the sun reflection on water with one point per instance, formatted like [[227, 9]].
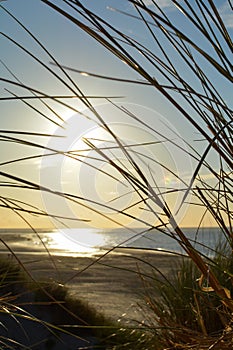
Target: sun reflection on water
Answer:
[[79, 242]]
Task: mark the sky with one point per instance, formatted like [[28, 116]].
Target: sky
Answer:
[[159, 137]]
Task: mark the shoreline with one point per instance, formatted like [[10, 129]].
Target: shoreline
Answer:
[[110, 281], [113, 284]]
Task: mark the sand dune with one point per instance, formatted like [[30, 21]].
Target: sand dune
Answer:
[[113, 284]]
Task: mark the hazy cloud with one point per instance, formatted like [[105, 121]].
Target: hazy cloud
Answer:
[[226, 14], [224, 10], [161, 3]]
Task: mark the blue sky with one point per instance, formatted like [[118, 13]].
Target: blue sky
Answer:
[[73, 48]]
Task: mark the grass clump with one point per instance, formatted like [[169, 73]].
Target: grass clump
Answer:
[[49, 314], [191, 69], [186, 311], [12, 281], [79, 318]]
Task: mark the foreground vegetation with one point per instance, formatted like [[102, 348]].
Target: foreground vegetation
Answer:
[[188, 314], [42, 315], [180, 312], [198, 303]]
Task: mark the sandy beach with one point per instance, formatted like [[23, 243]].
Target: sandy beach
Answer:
[[113, 284]]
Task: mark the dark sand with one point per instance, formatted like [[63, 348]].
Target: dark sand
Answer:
[[113, 284]]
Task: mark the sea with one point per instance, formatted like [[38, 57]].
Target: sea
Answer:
[[92, 241]]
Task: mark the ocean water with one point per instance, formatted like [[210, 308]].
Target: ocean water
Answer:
[[88, 241]]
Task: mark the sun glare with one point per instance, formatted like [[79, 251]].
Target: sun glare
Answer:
[[77, 240], [61, 242]]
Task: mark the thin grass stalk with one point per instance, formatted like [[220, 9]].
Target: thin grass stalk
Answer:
[[42, 101], [44, 291], [185, 243], [135, 66], [45, 66], [184, 37], [219, 124]]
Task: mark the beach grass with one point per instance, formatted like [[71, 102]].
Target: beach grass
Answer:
[[188, 312], [198, 302], [48, 306], [206, 104]]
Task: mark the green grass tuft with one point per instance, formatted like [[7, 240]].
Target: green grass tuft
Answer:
[[185, 308]]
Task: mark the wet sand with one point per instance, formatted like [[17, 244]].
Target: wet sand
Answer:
[[114, 284]]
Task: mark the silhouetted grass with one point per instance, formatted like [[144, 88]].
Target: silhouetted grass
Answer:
[[187, 313], [197, 98]]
